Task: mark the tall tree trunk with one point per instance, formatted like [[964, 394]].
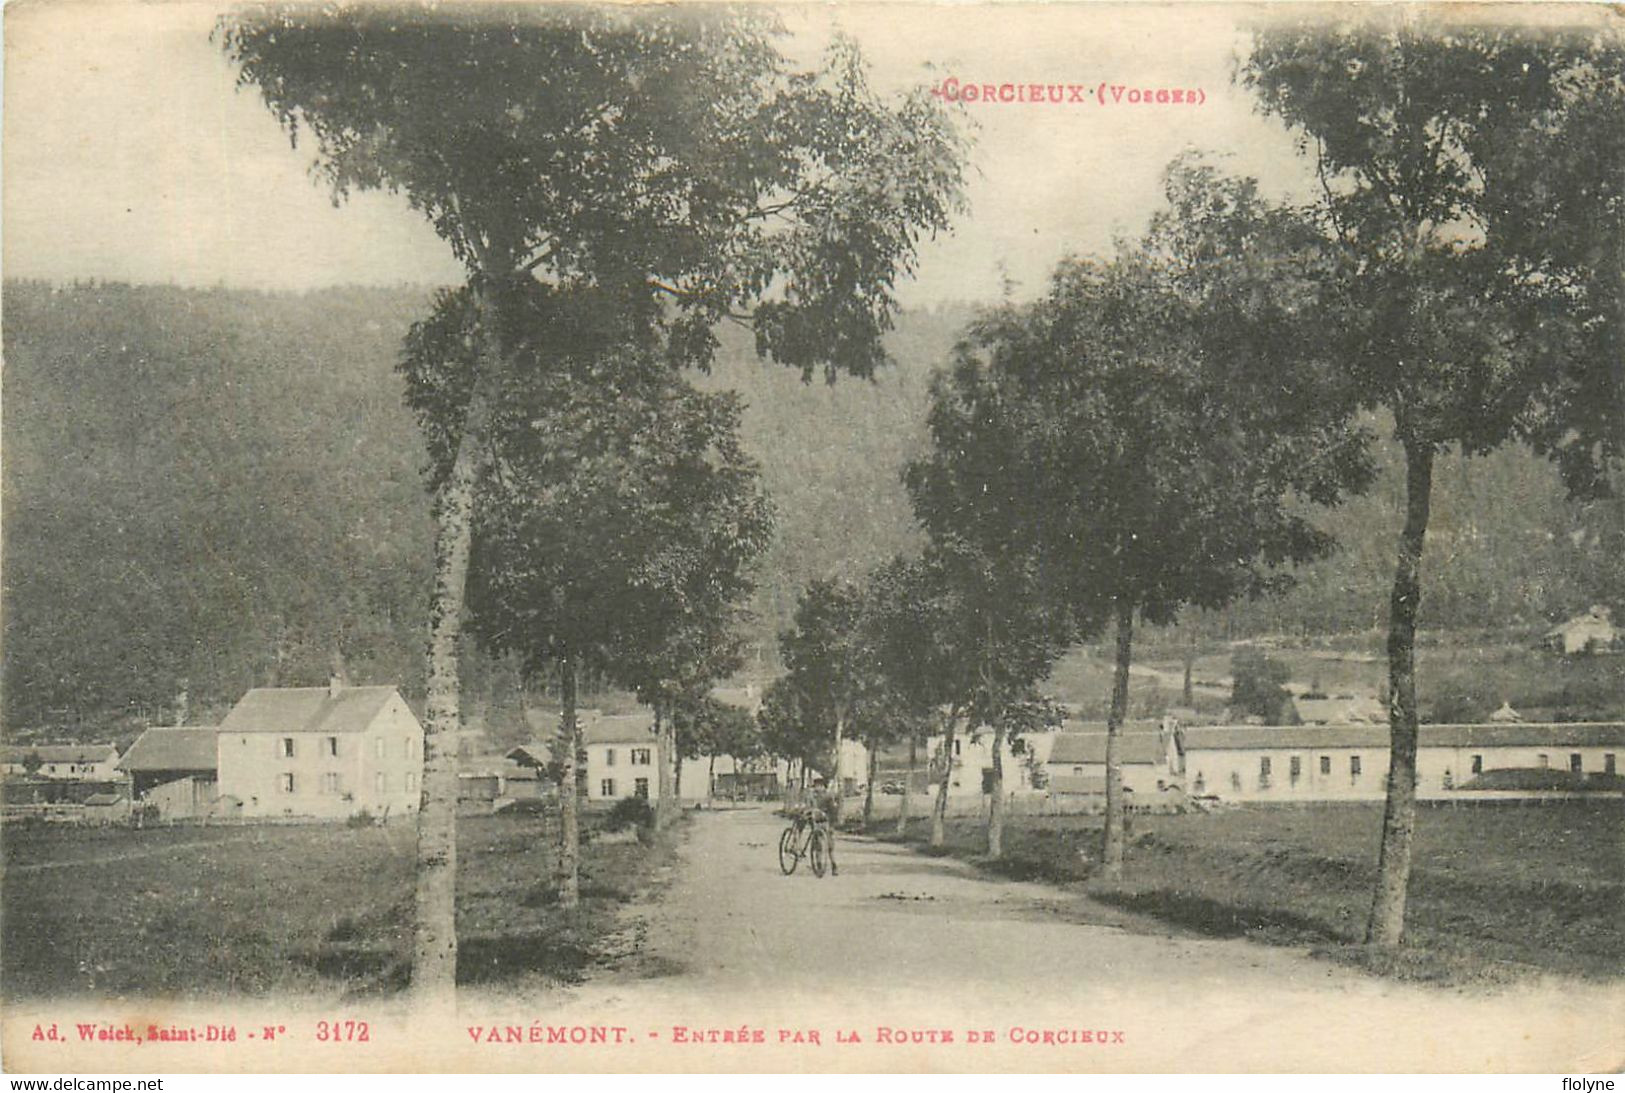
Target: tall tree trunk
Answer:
[[434, 940], [711, 776], [677, 776], [666, 804], [837, 790], [939, 814], [1386, 927], [908, 783], [869, 790], [1111, 850], [1187, 695], [995, 804], [569, 802]]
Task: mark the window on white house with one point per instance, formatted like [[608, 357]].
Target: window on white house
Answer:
[[1574, 762], [1354, 768], [640, 757], [1235, 779], [1478, 764], [1263, 771], [1201, 783], [640, 788], [406, 747], [1325, 764], [331, 782], [609, 757], [380, 782], [956, 747], [411, 782], [378, 748], [1543, 760], [606, 788], [287, 783], [1294, 768], [286, 749], [331, 747], [1608, 764]]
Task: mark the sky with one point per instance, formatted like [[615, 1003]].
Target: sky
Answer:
[[130, 154]]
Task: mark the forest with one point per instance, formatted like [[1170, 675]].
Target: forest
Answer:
[[212, 489]]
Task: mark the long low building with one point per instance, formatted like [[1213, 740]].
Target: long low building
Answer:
[[1350, 762]]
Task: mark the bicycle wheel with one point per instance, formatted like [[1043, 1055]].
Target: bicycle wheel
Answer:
[[787, 851], [816, 853]]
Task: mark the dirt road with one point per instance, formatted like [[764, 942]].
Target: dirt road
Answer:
[[901, 946]]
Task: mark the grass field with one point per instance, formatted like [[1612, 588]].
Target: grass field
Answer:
[[319, 909], [1497, 893]]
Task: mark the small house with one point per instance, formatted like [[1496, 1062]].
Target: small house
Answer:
[[1592, 632], [622, 758], [177, 770], [1148, 754]]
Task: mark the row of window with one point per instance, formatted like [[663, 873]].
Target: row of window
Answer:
[[640, 787], [639, 757], [333, 782], [329, 746], [1295, 769]]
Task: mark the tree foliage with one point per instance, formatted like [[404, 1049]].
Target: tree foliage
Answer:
[[1469, 317], [651, 153]]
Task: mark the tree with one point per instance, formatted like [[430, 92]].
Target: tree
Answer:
[[1472, 180], [614, 529], [826, 665], [703, 725], [787, 729], [658, 155], [1257, 689], [1137, 431]]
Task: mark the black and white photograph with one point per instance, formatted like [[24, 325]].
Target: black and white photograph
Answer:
[[860, 537]]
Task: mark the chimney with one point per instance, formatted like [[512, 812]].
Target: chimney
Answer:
[[333, 685]]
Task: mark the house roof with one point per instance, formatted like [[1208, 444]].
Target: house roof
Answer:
[[634, 728], [60, 753], [1309, 737], [307, 709], [1141, 743], [1340, 711], [535, 753], [1599, 619], [173, 749]]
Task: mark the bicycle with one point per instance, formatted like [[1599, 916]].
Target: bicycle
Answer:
[[806, 837]]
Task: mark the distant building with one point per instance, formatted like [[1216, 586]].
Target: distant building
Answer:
[[327, 752], [176, 771], [1592, 632], [1148, 756], [68, 762], [622, 758], [1350, 762]]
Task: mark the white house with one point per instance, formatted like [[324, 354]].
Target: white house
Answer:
[[328, 752], [65, 762], [1148, 756], [622, 758], [1592, 632], [1350, 762]]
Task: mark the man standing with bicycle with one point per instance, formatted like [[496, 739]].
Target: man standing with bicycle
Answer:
[[825, 800]]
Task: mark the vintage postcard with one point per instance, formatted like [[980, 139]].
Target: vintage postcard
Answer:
[[904, 537]]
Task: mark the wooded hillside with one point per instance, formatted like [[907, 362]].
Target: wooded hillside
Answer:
[[214, 489]]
